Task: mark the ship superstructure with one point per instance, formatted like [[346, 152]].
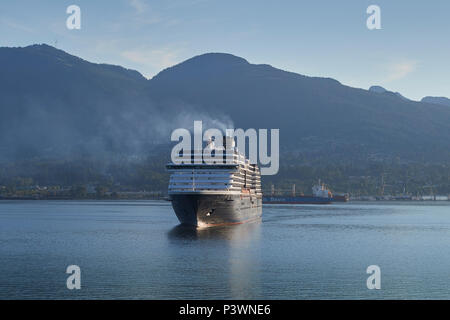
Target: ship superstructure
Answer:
[[216, 187], [319, 190]]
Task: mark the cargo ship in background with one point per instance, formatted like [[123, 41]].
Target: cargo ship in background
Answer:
[[218, 190], [320, 195]]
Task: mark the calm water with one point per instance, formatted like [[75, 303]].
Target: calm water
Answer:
[[134, 250]]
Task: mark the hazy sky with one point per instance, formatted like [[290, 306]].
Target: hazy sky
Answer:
[[410, 54]]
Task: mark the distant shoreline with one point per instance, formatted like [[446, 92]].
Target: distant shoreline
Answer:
[[166, 199], [74, 198]]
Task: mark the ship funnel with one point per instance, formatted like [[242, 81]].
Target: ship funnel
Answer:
[[210, 143], [228, 142]]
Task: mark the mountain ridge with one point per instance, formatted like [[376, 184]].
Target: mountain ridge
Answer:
[[380, 89], [327, 106], [54, 102], [437, 100]]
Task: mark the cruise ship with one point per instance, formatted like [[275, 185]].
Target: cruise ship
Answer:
[[218, 190]]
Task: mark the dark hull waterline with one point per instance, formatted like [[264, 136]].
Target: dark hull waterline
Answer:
[[297, 200], [203, 210]]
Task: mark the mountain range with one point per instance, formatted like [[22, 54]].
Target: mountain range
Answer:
[[382, 90], [437, 100], [53, 104]]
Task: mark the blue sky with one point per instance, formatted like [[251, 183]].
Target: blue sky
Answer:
[[410, 54]]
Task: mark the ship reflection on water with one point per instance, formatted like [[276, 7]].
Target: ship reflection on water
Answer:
[[229, 258], [233, 233]]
